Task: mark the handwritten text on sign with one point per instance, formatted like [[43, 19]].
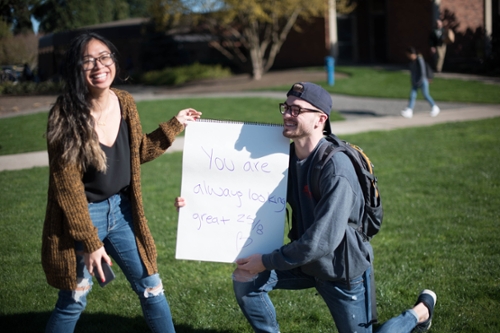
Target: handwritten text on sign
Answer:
[[234, 178]]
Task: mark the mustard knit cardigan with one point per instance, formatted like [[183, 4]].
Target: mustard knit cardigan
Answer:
[[67, 217]]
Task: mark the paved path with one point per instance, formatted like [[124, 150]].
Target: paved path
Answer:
[[36, 159], [362, 114]]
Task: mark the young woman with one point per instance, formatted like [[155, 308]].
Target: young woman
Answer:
[[94, 208], [420, 76]]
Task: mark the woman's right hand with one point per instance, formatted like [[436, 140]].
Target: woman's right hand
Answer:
[[187, 115], [93, 261], [179, 202]]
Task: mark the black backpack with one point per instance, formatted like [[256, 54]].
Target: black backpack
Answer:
[[373, 215]]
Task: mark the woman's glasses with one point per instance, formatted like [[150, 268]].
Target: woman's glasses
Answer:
[[106, 60]]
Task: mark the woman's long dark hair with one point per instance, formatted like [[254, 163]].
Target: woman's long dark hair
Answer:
[[70, 124]]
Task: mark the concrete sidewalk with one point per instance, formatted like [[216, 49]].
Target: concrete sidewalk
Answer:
[[351, 126]]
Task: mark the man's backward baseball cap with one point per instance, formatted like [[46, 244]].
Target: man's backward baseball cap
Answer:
[[316, 96]]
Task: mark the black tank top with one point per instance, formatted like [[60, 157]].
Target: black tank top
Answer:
[[100, 186]]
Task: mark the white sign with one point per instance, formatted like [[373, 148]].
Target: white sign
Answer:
[[234, 180]]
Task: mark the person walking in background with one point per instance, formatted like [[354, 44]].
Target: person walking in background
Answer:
[[438, 38], [420, 73], [94, 207]]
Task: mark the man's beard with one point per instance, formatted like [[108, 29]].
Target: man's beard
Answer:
[[297, 133]]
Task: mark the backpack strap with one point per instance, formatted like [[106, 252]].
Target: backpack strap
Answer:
[[325, 152]]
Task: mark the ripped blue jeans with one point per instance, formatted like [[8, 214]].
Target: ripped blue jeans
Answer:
[[113, 219], [349, 307]]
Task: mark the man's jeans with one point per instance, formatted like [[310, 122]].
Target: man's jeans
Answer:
[[113, 219], [425, 91], [349, 307]]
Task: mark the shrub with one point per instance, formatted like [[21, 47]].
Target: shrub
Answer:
[[30, 88], [183, 74]]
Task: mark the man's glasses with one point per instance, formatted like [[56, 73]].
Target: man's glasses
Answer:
[[294, 110], [106, 60]]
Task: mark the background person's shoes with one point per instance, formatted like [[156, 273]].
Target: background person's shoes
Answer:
[[428, 298], [435, 111], [407, 113]]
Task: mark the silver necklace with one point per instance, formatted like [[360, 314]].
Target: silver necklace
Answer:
[[98, 121]]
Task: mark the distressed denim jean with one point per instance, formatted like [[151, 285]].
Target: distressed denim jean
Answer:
[[113, 219], [349, 307], [425, 91]]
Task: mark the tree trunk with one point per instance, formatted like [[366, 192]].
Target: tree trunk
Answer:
[[256, 52], [257, 63], [274, 37]]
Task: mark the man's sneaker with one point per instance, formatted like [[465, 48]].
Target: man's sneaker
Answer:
[[435, 111], [407, 113], [428, 298]]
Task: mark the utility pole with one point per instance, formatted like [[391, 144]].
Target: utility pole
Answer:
[[488, 26], [332, 29], [488, 22]]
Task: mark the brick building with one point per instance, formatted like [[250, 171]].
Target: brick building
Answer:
[[140, 48], [410, 22], [377, 32]]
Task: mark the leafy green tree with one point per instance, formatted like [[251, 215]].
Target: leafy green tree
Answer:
[[15, 17], [18, 43], [246, 31], [139, 8], [4, 29], [63, 15]]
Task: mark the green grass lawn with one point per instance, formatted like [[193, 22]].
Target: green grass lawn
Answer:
[[372, 82], [396, 84], [441, 192]]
